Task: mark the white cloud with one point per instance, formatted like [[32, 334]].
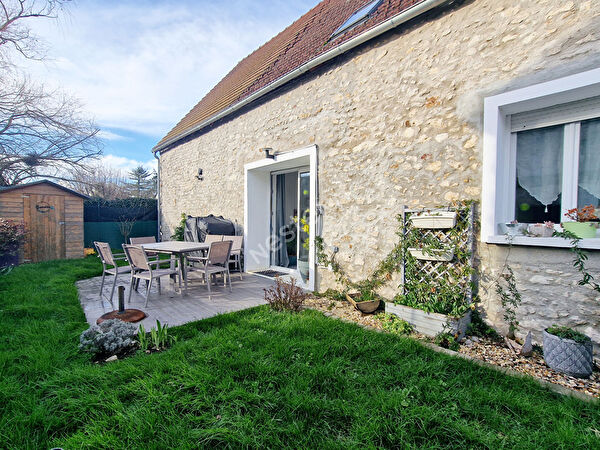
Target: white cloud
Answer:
[[110, 136], [141, 66], [126, 164]]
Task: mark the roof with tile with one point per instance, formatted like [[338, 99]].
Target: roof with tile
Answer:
[[305, 39]]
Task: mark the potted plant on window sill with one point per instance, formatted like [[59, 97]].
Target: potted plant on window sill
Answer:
[[513, 228], [583, 225], [541, 229]]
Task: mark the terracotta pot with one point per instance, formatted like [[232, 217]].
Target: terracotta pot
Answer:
[[364, 307]]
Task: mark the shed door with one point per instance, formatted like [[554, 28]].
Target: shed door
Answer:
[[45, 222]]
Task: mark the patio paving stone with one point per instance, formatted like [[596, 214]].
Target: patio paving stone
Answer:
[[170, 307]]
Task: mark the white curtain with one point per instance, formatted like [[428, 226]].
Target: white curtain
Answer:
[[539, 163], [589, 157]]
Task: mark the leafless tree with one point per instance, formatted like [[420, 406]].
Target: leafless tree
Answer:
[[15, 35], [41, 133], [100, 182]]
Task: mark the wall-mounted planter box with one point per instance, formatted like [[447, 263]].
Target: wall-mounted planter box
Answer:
[[436, 254], [430, 324], [434, 220]]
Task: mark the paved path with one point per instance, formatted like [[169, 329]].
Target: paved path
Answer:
[[171, 307]]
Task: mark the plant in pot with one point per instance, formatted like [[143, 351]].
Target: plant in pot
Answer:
[[584, 223], [567, 350], [304, 236], [366, 299], [513, 228], [12, 235], [541, 229]]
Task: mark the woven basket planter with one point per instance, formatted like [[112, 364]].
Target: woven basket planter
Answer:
[[568, 356]]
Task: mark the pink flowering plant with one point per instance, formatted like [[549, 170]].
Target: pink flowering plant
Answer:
[[12, 233]]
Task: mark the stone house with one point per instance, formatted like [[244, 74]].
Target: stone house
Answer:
[[372, 105]]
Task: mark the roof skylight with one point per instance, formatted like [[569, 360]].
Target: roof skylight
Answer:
[[358, 16]]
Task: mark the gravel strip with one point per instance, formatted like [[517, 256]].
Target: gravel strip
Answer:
[[499, 354]]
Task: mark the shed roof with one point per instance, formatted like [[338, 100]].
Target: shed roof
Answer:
[[35, 183], [304, 40]]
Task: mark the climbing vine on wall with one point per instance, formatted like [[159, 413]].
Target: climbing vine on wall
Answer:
[[445, 288]]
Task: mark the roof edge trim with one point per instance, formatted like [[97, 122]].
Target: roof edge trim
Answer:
[[387, 25]]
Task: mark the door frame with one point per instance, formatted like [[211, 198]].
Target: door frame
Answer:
[[257, 208]]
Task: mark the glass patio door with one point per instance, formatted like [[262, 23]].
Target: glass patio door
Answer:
[[290, 218], [284, 219]]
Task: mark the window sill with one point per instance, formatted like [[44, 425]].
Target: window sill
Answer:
[[590, 244]]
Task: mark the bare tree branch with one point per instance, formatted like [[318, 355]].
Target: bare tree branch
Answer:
[[15, 35], [42, 133], [101, 182]]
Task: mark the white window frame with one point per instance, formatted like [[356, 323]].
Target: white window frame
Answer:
[[499, 155]]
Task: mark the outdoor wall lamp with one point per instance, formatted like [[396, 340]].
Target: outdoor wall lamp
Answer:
[[200, 176], [268, 153]]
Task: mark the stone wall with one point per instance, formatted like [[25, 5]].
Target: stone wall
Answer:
[[398, 122]]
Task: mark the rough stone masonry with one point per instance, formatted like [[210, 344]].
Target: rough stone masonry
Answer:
[[398, 122]]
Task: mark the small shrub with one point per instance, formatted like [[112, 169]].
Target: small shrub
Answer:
[[510, 298], [447, 340], [111, 337], [179, 231], [568, 333], [11, 234], [160, 336], [284, 295], [394, 324]]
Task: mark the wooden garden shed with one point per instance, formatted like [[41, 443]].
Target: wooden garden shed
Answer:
[[53, 216]]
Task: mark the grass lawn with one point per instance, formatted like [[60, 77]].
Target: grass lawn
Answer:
[[255, 378]]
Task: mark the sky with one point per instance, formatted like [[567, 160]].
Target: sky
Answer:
[[139, 66]]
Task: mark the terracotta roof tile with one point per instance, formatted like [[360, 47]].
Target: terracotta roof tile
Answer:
[[305, 39]]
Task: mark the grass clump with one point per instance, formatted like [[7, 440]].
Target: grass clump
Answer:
[[256, 378]]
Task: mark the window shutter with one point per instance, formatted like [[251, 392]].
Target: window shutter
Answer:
[[555, 115]]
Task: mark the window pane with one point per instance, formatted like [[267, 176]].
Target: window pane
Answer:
[[588, 189], [539, 174]]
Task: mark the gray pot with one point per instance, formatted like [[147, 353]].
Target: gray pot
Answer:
[[568, 356]]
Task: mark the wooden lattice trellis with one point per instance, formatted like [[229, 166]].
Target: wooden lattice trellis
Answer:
[[460, 238]]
